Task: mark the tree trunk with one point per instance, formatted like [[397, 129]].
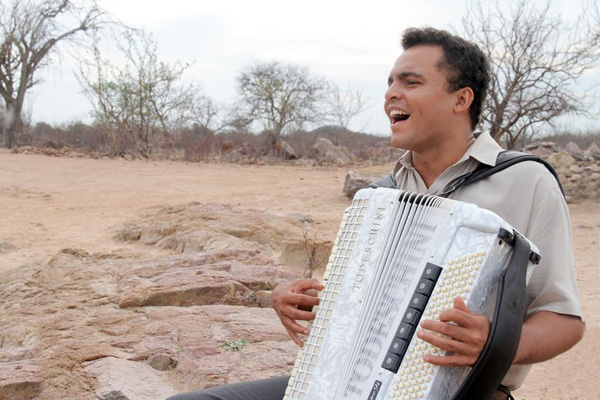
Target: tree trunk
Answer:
[[12, 125]]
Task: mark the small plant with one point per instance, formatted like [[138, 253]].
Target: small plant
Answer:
[[235, 345], [315, 260]]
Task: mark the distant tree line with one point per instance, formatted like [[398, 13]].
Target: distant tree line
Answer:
[[144, 101], [195, 145], [142, 104]]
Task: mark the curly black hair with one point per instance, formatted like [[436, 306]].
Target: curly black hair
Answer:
[[465, 63]]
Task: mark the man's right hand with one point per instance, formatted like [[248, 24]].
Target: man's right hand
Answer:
[[293, 301]]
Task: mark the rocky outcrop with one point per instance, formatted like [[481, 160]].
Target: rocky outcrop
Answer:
[[326, 151], [211, 227], [575, 152], [580, 179], [593, 152], [287, 151], [229, 277], [542, 149], [354, 182], [124, 325]]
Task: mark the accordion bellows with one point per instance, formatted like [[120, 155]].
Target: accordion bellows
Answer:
[[398, 257]]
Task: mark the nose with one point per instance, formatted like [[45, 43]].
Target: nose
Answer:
[[392, 92]]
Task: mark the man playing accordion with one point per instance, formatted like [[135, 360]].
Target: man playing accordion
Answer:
[[435, 94]]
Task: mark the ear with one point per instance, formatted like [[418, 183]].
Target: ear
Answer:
[[464, 99]]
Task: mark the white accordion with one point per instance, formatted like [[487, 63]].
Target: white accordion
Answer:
[[399, 257]]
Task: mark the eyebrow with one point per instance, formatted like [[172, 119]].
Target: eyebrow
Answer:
[[407, 74], [410, 74]]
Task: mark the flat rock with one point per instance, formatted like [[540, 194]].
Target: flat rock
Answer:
[[20, 380], [127, 326], [119, 379]]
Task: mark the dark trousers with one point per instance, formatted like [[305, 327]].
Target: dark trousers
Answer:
[[268, 389], [263, 389]]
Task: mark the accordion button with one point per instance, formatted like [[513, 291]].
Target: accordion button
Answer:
[[431, 272], [425, 286], [411, 317], [418, 302], [391, 362], [404, 331], [398, 346]]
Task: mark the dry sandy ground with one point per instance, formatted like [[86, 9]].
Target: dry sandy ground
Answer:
[[47, 204]]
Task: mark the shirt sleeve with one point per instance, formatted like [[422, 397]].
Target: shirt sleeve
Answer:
[[553, 285]]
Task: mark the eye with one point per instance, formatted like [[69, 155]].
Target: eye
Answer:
[[412, 83]]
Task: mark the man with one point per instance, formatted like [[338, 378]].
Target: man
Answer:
[[435, 94]]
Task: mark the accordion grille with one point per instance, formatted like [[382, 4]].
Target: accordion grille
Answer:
[[335, 272]]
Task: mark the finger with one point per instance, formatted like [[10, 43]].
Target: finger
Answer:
[[294, 330], [467, 328], [444, 343], [295, 337], [444, 328], [458, 317], [302, 285], [463, 316], [298, 299], [294, 326], [295, 313], [459, 304], [459, 307], [457, 353], [450, 361]]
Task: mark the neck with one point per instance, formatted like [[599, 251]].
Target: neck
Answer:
[[431, 162]]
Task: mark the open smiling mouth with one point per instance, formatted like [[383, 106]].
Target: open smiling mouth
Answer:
[[398, 116]]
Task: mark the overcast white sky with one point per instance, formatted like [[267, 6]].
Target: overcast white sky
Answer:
[[349, 43]]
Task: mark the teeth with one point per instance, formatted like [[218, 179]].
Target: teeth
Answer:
[[398, 113]]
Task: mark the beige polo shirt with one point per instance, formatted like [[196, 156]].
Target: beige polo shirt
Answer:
[[528, 197]]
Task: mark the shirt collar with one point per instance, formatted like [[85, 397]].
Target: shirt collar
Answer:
[[485, 150]]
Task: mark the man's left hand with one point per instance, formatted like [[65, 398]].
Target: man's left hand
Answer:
[[464, 335]]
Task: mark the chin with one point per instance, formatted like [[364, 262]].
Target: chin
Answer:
[[399, 141]]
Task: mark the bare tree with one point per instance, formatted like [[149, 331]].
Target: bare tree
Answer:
[[109, 99], [29, 33], [280, 96], [204, 113], [536, 61], [143, 99], [342, 106]]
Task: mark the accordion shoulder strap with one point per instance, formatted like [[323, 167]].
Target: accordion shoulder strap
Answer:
[[505, 331], [505, 159]]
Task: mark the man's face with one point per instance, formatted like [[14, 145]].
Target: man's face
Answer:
[[417, 101]]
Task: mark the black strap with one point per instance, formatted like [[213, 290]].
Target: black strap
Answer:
[[504, 160], [502, 344]]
